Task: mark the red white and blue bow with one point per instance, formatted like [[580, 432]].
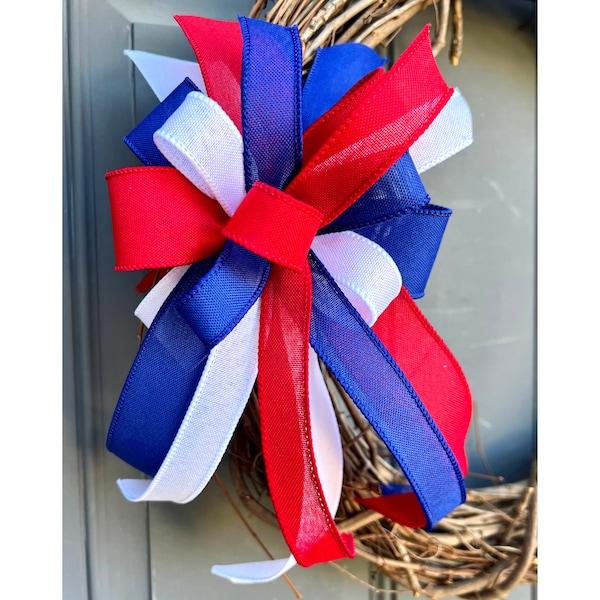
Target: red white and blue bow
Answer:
[[295, 225]]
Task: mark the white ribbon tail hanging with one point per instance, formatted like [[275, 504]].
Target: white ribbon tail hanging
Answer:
[[254, 572]]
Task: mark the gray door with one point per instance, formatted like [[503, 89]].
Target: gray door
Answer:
[[480, 298]]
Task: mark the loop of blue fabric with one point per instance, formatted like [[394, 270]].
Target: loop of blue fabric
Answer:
[[271, 102], [171, 359], [414, 245], [140, 139], [153, 402], [378, 387], [334, 71], [395, 213]]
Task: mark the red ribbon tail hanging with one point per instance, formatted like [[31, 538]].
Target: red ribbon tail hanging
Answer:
[[305, 519]]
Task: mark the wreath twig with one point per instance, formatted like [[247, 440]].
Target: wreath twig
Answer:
[[375, 23]]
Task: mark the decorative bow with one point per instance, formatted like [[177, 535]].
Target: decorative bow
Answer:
[[319, 209]]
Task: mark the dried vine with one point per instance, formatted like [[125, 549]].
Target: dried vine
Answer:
[[375, 23]]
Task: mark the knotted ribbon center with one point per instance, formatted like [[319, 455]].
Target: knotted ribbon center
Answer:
[[275, 225]]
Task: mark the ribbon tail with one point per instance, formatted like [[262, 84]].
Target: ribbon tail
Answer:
[[329, 460], [387, 399], [298, 497], [148, 308], [254, 572], [163, 73], [172, 360], [431, 368], [143, 425], [449, 133], [209, 422]]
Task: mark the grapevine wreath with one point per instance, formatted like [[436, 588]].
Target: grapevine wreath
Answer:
[[286, 232]]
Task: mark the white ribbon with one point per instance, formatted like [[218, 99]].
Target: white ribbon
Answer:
[[364, 271], [450, 132], [202, 142], [232, 365], [150, 305]]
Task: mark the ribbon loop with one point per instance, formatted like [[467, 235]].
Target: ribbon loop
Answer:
[[178, 141], [217, 303], [363, 270], [271, 102], [141, 197], [275, 226], [220, 63]]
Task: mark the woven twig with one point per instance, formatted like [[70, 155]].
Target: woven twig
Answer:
[[375, 23]]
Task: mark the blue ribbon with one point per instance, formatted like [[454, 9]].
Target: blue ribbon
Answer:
[[215, 293], [271, 103], [335, 70], [395, 213], [364, 368], [140, 139], [171, 358]]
